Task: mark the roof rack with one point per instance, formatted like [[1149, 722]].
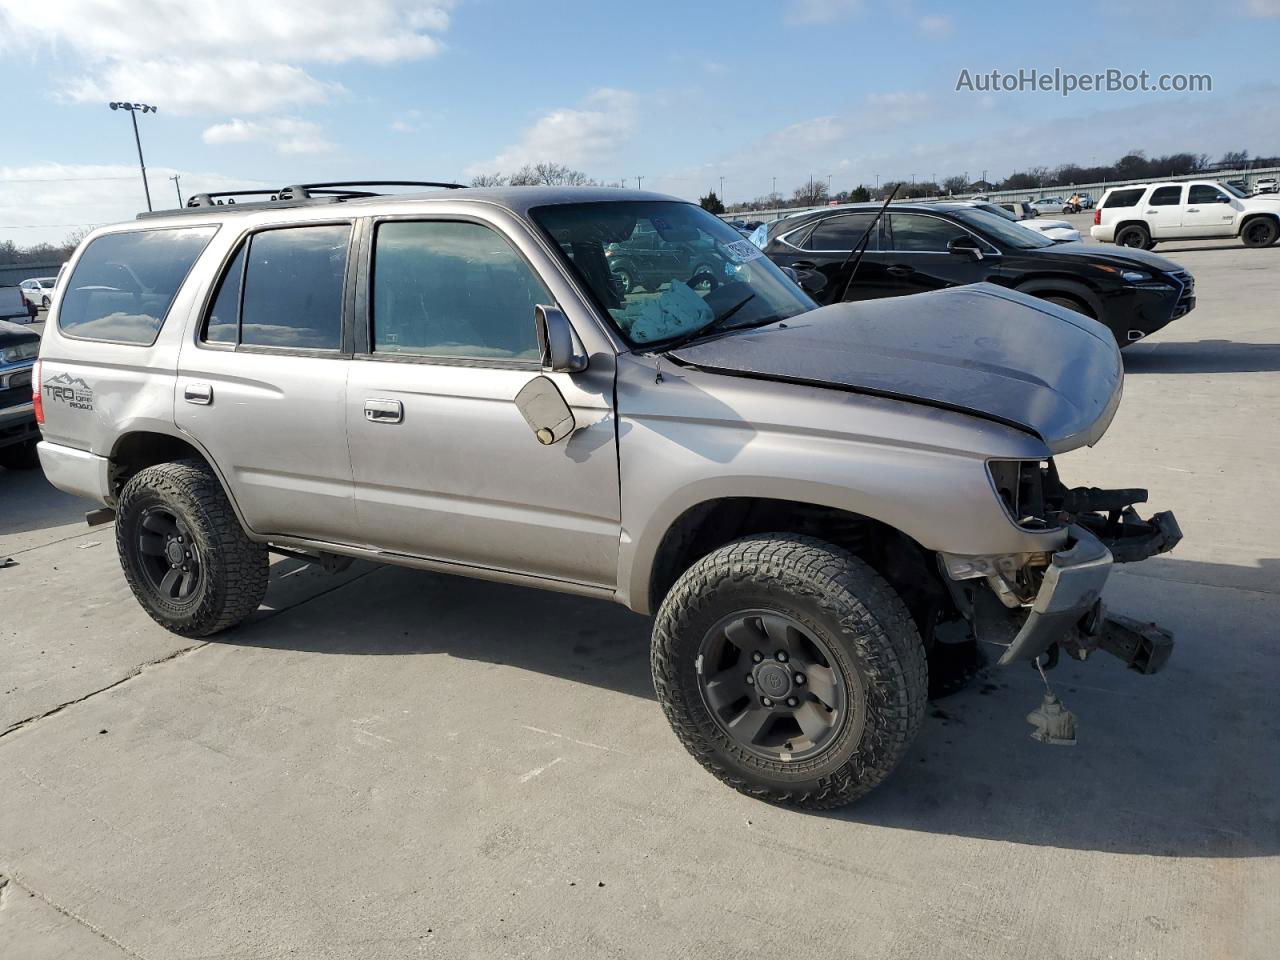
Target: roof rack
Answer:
[[298, 194]]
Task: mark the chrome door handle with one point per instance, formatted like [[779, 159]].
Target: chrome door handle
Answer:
[[1193, 209], [1153, 211], [201, 393], [383, 411]]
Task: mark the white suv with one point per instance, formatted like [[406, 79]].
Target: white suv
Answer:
[[1144, 214]]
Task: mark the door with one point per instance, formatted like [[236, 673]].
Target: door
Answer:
[[263, 386], [918, 258], [1210, 212], [445, 465], [825, 248], [1163, 211]]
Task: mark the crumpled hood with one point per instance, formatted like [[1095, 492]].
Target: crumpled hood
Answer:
[[980, 349]]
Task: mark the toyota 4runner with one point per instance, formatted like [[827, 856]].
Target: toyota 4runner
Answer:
[[806, 498]]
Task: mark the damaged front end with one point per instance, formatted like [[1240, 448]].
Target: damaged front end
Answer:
[[1040, 605]]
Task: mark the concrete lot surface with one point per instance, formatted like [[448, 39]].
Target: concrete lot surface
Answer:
[[390, 763]]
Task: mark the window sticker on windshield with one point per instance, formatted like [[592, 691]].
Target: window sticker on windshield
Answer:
[[742, 251]]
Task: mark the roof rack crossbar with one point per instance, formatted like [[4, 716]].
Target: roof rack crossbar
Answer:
[[334, 190]]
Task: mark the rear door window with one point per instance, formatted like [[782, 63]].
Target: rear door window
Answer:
[[1124, 198], [124, 283], [293, 286], [842, 233], [1166, 197]]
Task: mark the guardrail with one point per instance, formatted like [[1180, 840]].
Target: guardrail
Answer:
[[1095, 190]]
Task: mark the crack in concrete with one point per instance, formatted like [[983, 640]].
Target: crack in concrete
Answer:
[[14, 880], [136, 671], [140, 668]]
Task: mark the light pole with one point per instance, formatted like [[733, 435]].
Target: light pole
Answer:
[[177, 187], [722, 189], [638, 179], [134, 109], [774, 191]]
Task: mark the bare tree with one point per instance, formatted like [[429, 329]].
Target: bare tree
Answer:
[[550, 175], [489, 180], [810, 194]]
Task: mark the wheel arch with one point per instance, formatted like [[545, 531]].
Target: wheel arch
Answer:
[[710, 524], [136, 449], [1064, 286]]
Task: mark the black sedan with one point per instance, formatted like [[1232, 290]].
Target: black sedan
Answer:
[[927, 246]]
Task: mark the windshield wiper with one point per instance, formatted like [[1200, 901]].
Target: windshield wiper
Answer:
[[712, 327]]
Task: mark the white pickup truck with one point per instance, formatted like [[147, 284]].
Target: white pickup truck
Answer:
[[1142, 215]]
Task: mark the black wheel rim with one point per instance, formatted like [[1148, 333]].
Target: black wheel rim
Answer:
[[169, 558], [1259, 232], [773, 685]]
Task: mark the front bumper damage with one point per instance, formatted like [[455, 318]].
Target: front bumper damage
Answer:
[[1041, 605]]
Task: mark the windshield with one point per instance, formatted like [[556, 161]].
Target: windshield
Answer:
[[664, 270], [1234, 190], [997, 228]]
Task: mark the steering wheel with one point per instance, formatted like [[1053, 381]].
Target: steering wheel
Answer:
[[703, 273]]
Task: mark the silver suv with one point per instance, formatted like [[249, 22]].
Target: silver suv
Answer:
[[811, 501]]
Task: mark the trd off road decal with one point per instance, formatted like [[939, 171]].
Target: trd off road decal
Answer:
[[72, 391]]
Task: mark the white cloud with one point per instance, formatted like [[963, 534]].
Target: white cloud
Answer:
[[204, 86], [240, 55], [283, 134], [580, 136], [45, 202], [821, 11], [938, 25], [408, 122], [1264, 8]]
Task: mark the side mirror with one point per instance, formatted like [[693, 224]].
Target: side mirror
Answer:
[[965, 246], [810, 281], [558, 345]]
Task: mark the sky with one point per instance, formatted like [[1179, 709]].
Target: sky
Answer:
[[272, 92]]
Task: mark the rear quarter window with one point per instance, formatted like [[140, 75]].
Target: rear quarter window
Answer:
[[124, 283], [1124, 198]]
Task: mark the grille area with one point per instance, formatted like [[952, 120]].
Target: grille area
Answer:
[[1187, 298]]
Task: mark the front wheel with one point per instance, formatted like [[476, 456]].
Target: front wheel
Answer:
[[184, 553], [1261, 232], [790, 670], [44, 303]]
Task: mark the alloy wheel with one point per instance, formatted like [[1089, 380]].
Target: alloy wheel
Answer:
[[169, 559], [774, 686]]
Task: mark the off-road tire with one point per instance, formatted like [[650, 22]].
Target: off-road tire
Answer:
[[1260, 232], [233, 568], [20, 456], [1133, 235], [855, 612]]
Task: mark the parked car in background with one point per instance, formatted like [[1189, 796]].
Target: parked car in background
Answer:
[[1241, 186], [18, 430], [1059, 230], [646, 260], [1049, 204], [38, 291], [802, 496], [1266, 185], [919, 247], [14, 306], [1143, 215]]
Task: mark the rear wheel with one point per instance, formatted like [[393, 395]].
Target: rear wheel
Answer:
[[626, 280], [1133, 236], [20, 456], [185, 555], [790, 670], [1260, 232], [44, 302]]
